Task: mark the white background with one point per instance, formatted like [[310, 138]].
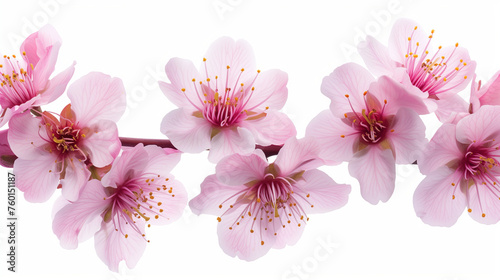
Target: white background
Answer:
[[306, 39]]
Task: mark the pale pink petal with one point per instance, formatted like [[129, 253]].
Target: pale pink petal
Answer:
[[433, 199], [75, 176], [270, 91], [36, 45], [173, 202], [348, 79], [102, 143], [188, 133], [130, 164], [161, 162], [71, 219], [226, 52], [376, 57], [375, 170], [97, 96], [489, 94], [327, 131], [407, 136], [6, 115], [24, 136], [397, 97], [441, 150], [486, 203], [45, 67], [273, 129], [56, 86], [37, 178], [290, 233], [181, 73], [7, 156], [451, 109], [298, 155], [240, 241], [480, 126], [321, 191], [230, 141], [213, 194], [462, 77], [398, 40], [112, 247], [237, 169], [476, 91]]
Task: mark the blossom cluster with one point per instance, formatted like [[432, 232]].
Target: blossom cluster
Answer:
[[113, 188]]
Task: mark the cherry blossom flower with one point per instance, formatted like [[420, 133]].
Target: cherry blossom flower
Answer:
[[262, 206], [52, 151], [461, 164], [371, 124], [25, 83], [487, 94], [410, 59], [228, 105], [137, 192]]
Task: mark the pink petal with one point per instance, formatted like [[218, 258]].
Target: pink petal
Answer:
[[376, 57], [97, 96], [75, 177], [407, 135], [270, 90], [102, 143], [375, 170], [324, 193], [351, 79], [7, 156], [397, 97], [213, 194], [326, 130], [112, 247], [160, 162], [45, 67], [36, 45], [226, 52], [37, 178], [6, 115], [130, 164], [181, 72], [71, 219], [172, 203], [480, 126], [486, 203], [451, 109], [476, 91], [433, 199], [298, 155], [188, 133], [230, 141], [291, 233], [463, 76], [441, 150], [24, 136], [237, 170], [398, 40], [56, 86], [273, 129]]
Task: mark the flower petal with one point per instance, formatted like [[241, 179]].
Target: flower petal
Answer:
[[70, 220], [161, 162], [37, 178], [273, 129], [237, 169], [130, 164], [480, 126], [188, 133], [327, 131], [37, 44], [375, 170], [56, 86], [298, 155], [483, 200], [351, 79], [451, 109], [230, 141], [172, 202], [97, 96], [433, 199], [376, 57], [488, 93], [75, 176], [24, 136], [407, 135], [7, 156], [270, 90], [456, 57], [102, 144], [181, 72], [398, 40], [441, 150]]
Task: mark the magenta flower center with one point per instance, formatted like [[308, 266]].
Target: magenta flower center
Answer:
[[66, 138], [16, 83], [431, 72]]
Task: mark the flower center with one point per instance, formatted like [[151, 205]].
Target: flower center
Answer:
[[478, 162], [431, 73], [66, 138], [16, 83]]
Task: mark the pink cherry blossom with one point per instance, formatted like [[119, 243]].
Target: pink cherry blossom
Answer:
[[461, 164], [54, 151], [25, 83], [371, 124], [487, 94], [262, 206], [228, 105], [137, 192], [410, 58]]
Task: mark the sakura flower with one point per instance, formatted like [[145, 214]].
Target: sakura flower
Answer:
[[410, 59], [53, 150], [371, 124], [137, 191], [461, 164], [262, 206], [227, 106], [25, 83], [487, 94]]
